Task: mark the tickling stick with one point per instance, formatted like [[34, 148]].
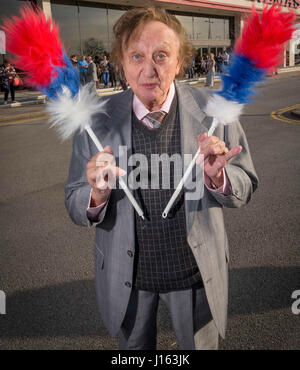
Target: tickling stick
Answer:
[[187, 173], [121, 181]]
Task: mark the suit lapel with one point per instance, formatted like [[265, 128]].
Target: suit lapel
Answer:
[[193, 121], [120, 116]]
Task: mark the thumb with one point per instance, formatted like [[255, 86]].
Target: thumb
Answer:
[[201, 138], [233, 152], [108, 149], [120, 171]]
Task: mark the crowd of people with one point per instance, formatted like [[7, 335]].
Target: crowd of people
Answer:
[[201, 65], [103, 72], [207, 65], [99, 71]]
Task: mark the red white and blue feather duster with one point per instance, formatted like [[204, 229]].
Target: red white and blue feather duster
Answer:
[[38, 50], [258, 50]]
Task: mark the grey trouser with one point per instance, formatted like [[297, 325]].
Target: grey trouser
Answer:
[[190, 315]]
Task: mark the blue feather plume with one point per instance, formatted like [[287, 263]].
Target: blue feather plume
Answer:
[[239, 81], [67, 76]]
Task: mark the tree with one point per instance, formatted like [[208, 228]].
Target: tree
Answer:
[[93, 47]]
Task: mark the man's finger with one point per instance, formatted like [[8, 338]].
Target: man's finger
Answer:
[[120, 171], [109, 170], [201, 138], [211, 145], [218, 148], [106, 177], [233, 152], [108, 149], [104, 159]]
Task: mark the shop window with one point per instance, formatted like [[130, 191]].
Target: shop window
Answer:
[[95, 37], [66, 16], [86, 30], [204, 52], [8, 9], [187, 23], [213, 50], [113, 16], [201, 28], [217, 29]]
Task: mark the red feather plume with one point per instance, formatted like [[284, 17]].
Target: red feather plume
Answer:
[[37, 46], [262, 39]]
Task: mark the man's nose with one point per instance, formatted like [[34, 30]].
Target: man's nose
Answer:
[[149, 68]]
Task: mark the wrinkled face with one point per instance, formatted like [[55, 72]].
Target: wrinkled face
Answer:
[[151, 62]]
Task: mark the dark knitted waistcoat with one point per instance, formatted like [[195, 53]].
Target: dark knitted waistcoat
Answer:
[[163, 259]]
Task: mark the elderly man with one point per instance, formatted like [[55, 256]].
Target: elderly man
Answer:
[[181, 260]]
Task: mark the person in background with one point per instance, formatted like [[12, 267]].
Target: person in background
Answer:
[[74, 61], [2, 66], [99, 73], [105, 71], [123, 82], [112, 74], [219, 63], [191, 68], [210, 76], [83, 66], [91, 73], [225, 58], [7, 74], [203, 66], [197, 65]]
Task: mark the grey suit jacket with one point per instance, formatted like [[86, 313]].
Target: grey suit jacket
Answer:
[[115, 233], [91, 73]]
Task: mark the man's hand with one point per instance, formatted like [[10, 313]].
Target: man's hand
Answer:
[[101, 174], [216, 157]]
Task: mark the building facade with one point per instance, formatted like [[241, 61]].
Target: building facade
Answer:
[[86, 26]]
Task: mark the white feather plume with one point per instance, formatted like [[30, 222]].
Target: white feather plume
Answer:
[[69, 114], [223, 110]]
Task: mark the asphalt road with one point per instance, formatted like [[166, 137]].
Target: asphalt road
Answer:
[[46, 262]]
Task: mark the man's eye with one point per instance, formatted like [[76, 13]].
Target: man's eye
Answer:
[[160, 56], [136, 57]]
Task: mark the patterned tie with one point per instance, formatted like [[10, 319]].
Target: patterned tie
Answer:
[[156, 118]]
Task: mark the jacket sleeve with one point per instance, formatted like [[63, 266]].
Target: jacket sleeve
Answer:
[[77, 190], [240, 169]]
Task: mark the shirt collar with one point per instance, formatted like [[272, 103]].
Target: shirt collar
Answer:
[[141, 111]]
